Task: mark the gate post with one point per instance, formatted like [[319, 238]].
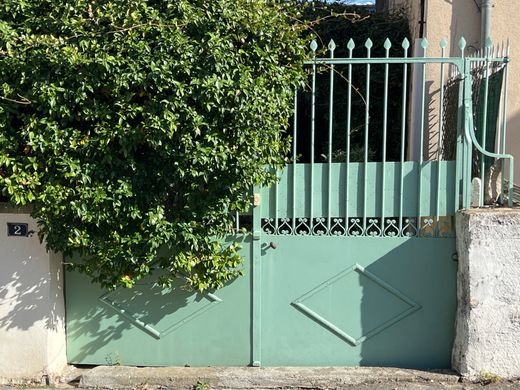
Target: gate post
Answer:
[[487, 336], [32, 312], [256, 281]]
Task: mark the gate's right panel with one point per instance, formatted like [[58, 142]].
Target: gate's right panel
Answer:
[[357, 266], [357, 301]]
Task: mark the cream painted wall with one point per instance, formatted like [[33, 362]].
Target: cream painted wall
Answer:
[[452, 19], [506, 25], [32, 329]]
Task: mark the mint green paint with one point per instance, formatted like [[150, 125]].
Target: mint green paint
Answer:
[[316, 192], [384, 295], [346, 264], [256, 287], [358, 301], [150, 326]]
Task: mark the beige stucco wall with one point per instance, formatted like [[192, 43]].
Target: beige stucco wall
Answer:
[[32, 329], [506, 25], [452, 19]]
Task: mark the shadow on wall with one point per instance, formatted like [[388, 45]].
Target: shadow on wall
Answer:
[[26, 296]]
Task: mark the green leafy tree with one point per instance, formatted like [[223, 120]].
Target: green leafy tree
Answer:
[[134, 127]]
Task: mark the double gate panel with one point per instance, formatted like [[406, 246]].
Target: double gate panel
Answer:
[[358, 301], [350, 257], [363, 282], [147, 325]]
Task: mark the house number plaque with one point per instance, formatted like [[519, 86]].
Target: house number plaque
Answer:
[[17, 229]]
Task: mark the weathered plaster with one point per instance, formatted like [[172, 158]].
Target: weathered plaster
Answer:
[[488, 283]]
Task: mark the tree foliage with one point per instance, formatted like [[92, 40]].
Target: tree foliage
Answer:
[[134, 127]]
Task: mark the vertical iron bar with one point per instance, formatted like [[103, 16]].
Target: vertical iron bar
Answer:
[[459, 157], [368, 46], [468, 100], [487, 53], [276, 204], [350, 47], [443, 45], [313, 128], [294, 156], [406, 45], [332, 46], [464, 145], [387, 46], [504, 124], [424, 45]]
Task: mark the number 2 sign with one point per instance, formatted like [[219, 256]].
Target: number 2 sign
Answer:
[[17, 229]]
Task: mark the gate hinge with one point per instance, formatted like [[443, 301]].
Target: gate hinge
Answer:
[[256, 235]]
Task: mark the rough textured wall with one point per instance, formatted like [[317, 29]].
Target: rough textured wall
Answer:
[[488, 314], [32, 330]]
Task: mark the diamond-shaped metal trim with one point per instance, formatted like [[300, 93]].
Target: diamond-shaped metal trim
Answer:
[[298, 303], [147, 328]]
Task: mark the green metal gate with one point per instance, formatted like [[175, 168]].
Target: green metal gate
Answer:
[[351, 255]]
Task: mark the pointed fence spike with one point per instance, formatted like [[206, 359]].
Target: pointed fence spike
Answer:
[[314, 45], [488, 43], [462, 44], [443, 43], [351, 45], [424, 43], [388, 44], [406, 44], [332, 45], [369, 43]]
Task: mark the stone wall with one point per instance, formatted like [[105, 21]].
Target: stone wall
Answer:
[[488, 314]]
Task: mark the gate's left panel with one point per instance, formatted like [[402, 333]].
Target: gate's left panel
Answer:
[[151, 326]]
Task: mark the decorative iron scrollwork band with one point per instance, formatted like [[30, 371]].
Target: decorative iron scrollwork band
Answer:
[[423, 227]]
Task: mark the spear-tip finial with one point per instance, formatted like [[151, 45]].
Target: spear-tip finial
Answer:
[[462, 43], [314, 45], [332, 45]]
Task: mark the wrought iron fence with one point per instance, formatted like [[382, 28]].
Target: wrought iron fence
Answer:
[[372, 185]]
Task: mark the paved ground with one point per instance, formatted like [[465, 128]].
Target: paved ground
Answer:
[[242, 378]]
